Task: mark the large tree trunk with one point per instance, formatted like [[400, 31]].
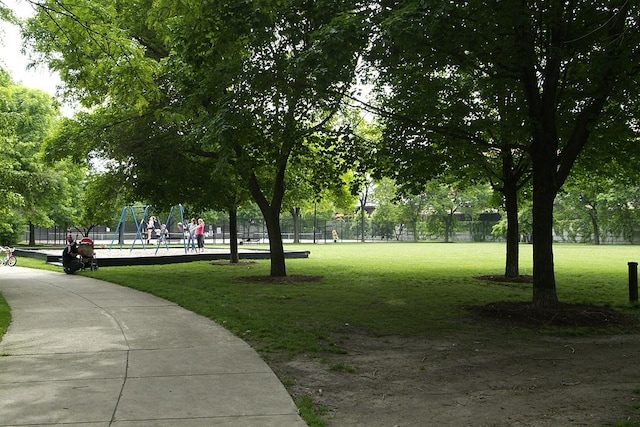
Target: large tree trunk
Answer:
[[271, 214], [512, 268], [32, 234], [544, 193], [233, 236], [278, 266]]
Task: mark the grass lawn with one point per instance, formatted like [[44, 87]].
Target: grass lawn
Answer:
[[402, 289], [5, 316], [407, 289]]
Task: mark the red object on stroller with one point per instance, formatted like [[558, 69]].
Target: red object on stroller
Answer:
[[87, 253]]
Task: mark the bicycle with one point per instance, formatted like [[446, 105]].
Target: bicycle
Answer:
[[9, 259]]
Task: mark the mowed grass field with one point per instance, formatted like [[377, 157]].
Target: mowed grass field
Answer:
[[406, 289]]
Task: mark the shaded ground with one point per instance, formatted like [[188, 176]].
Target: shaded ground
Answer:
[[492, 374], [470, 380]]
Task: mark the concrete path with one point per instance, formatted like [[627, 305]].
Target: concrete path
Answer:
[[88, 353]]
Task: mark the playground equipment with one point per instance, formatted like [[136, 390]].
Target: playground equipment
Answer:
[[162, 231]]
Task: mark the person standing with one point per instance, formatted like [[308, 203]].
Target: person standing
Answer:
[[151, 225], [200, 234], [191, 242]]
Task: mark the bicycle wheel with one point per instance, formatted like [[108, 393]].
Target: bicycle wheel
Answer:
[[12, 262]]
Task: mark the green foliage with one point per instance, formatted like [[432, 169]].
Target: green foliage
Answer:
[[240, 94], [96, 56], [512, 90], [33, 190], [596, 210], [386, 217]]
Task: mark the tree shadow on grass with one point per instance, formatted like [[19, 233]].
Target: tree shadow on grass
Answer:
[[291, 280]]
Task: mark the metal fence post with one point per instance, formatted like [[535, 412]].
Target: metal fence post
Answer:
[[633, 281]]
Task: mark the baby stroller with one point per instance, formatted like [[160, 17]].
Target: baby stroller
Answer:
[[87, 254]]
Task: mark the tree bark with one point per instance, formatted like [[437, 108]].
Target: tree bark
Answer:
[[271, 214], [362, 220], [544, 193], [233, 236], [32, 234], [278, 265], [448, 224], [512, 267]]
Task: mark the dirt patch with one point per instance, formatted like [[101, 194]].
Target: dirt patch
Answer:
[[478, 381], [500, 371], [573, 315], [495, 373]]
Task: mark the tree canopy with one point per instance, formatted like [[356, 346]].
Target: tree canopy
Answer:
[[34, 192], [558, 69], [245, 84]]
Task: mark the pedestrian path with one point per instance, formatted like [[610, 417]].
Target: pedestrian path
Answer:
[[89, 353]]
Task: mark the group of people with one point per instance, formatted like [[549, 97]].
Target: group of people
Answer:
[[162, 232], [194, 233]]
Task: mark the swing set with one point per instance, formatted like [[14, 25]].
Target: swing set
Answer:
[[134, 212]]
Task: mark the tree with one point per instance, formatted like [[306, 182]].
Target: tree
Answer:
[[413, 208], [599, 195], [444, 204], [250, 84], [154, 161], [275, 102], [443, 118], [565, 61], [592, 207], [386, 218], [34, 192]]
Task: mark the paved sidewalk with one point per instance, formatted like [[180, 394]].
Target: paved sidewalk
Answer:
[[84, 352]]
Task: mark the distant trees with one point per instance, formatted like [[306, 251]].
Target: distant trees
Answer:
[[434, 213], [33, 191]]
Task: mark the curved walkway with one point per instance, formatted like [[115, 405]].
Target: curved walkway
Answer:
[[85, 352]]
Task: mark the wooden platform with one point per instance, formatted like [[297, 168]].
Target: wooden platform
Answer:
[[149, 256]]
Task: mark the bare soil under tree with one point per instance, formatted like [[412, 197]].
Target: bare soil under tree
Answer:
[[501, 369]]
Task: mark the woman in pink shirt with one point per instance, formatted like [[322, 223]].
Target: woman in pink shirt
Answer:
[[200, 234]]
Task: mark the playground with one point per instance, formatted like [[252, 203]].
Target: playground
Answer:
[[115, 257]]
